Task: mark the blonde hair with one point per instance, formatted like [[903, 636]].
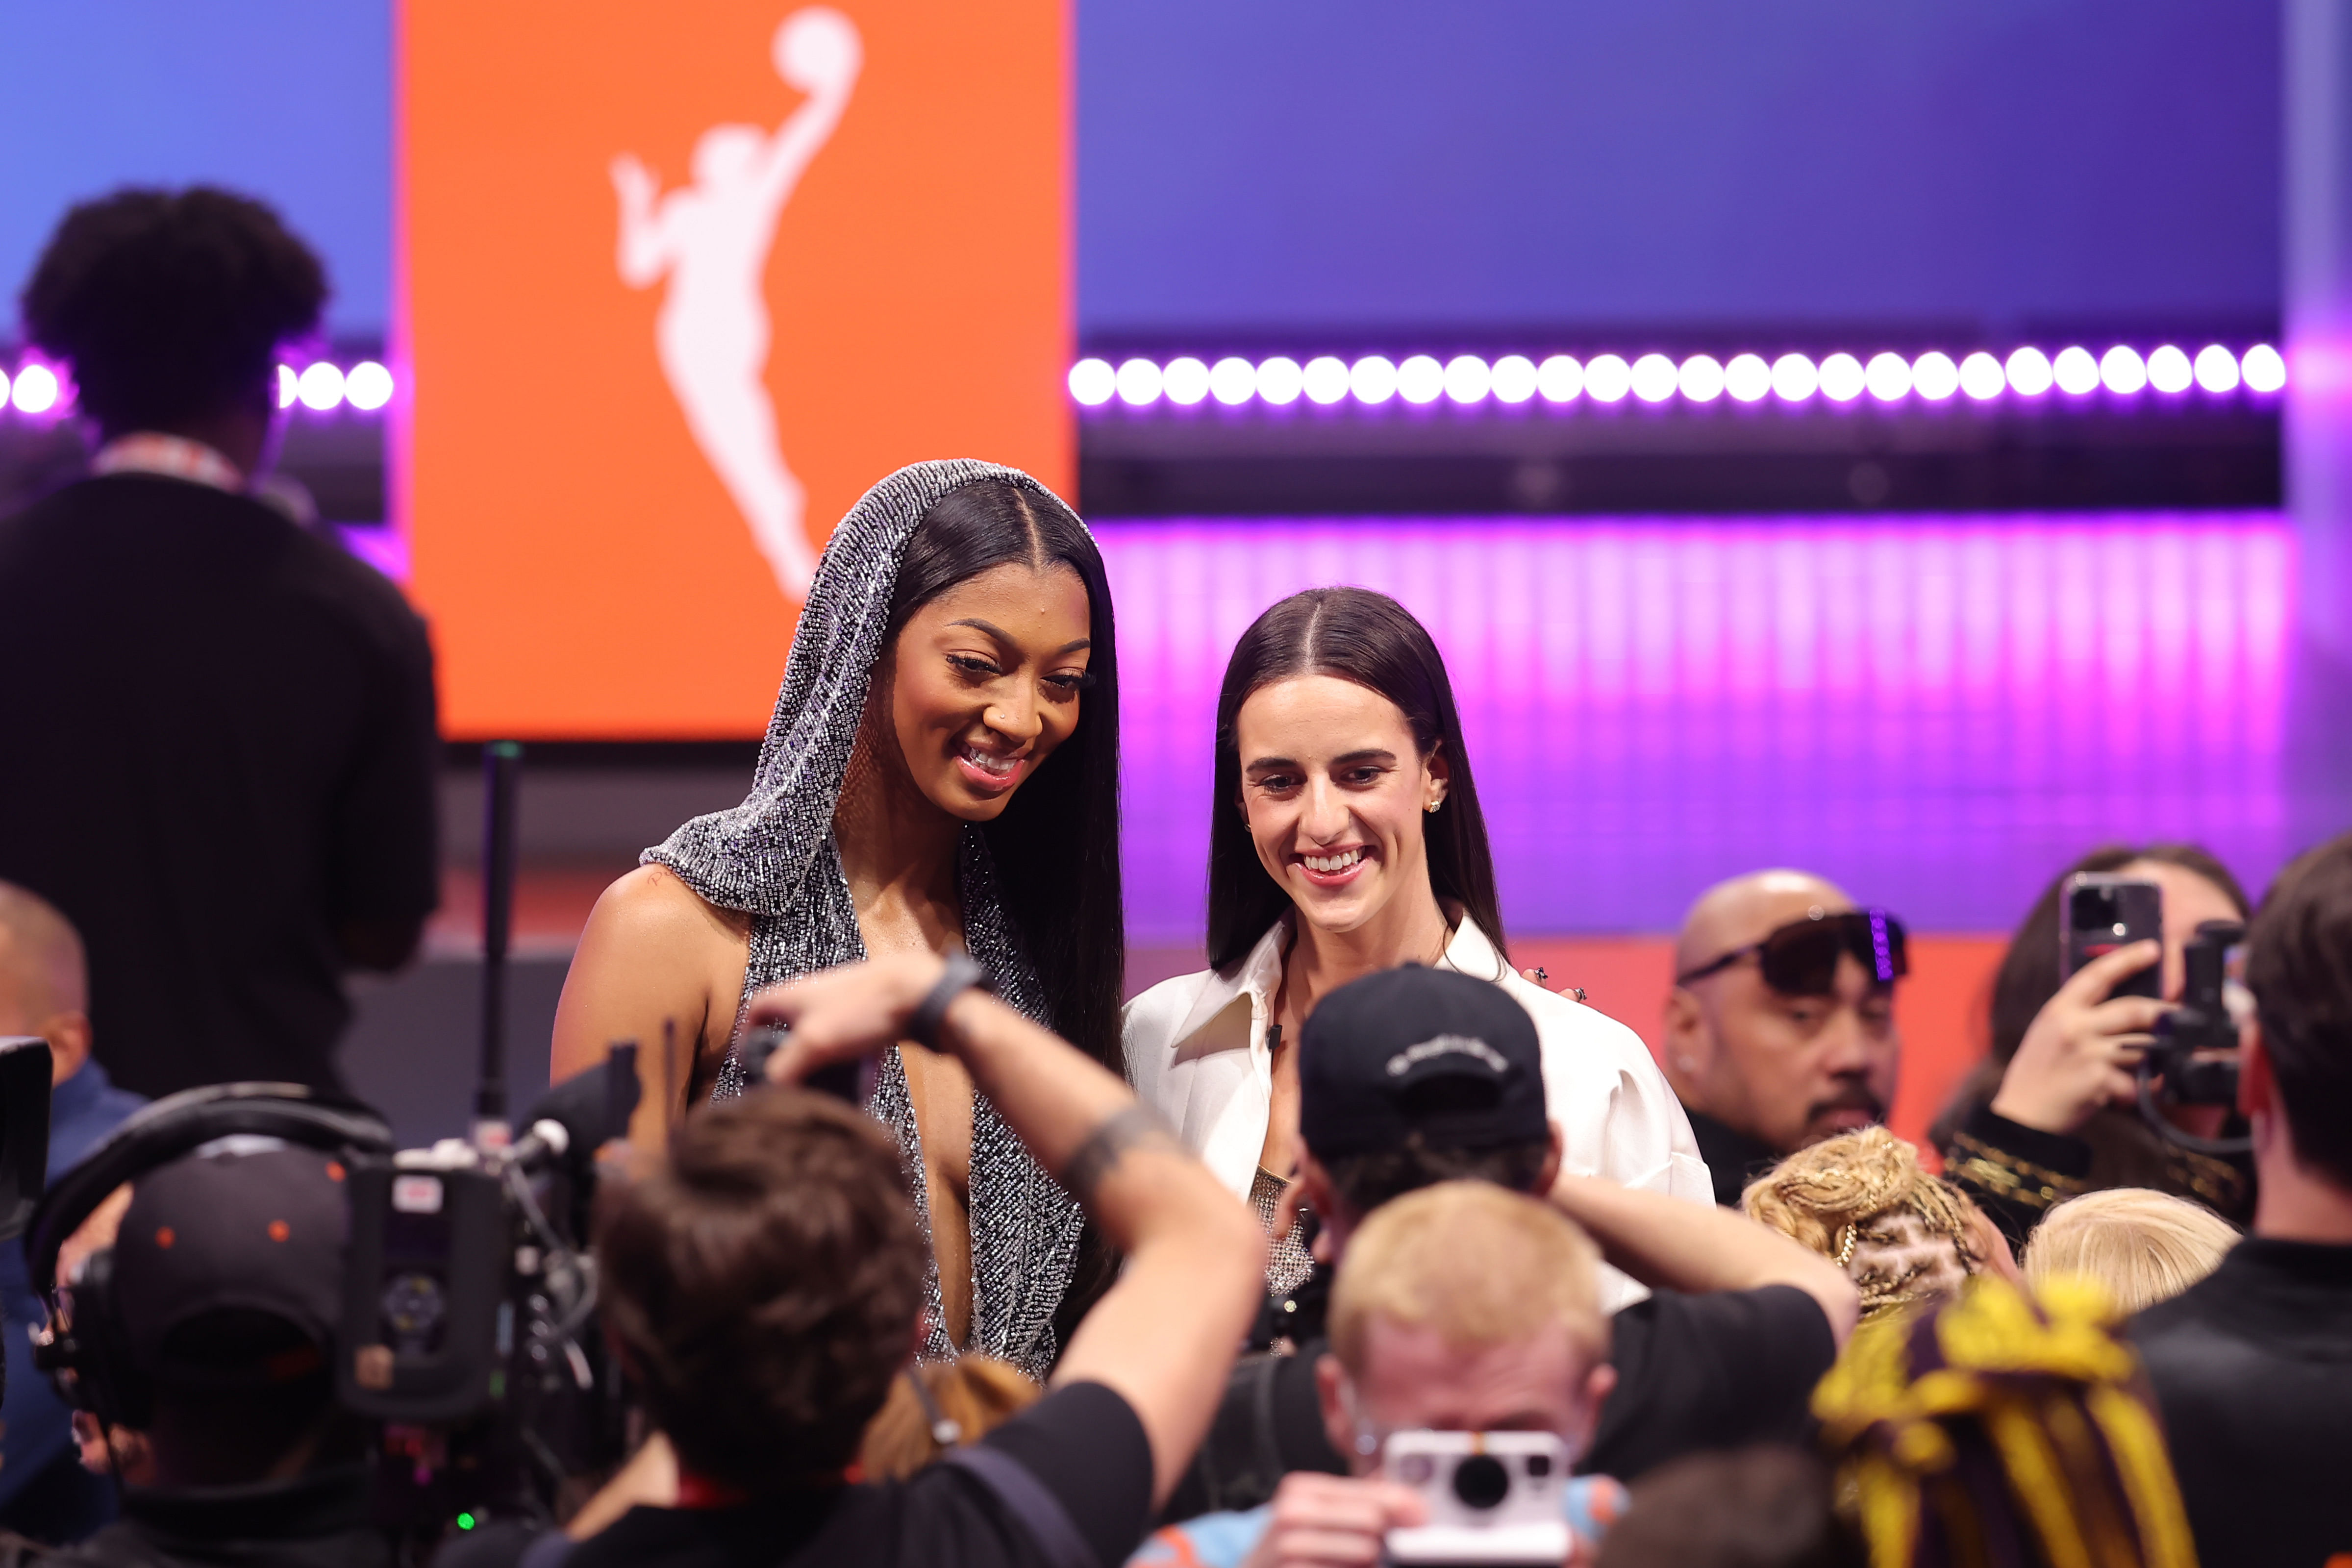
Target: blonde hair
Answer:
[[1823, 1196], [2145, 1246], [1479, 1264], [978, 1393]]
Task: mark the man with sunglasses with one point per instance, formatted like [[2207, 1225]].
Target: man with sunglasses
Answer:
[[1780, 1032]]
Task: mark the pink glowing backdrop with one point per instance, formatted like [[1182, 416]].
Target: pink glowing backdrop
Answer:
[[1938, 712]]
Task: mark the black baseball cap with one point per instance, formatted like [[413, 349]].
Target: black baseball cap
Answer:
[[251, 1226], [1433, 1051]]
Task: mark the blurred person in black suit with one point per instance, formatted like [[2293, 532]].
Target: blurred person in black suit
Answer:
[[224, 725]]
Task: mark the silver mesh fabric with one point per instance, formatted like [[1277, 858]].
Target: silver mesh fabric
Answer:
[[774, 857]]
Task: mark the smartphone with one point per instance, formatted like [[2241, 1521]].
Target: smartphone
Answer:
[[2099, 912]]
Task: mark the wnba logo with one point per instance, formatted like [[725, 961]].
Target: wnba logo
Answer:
[[711, 239]]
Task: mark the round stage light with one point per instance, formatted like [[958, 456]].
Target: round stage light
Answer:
[[289, 386], [36, 389], [2029, 372], [1747, 377], [322, 386], [1326, 379], [1468, 379], [1934, 376], [1842, 378], [2122, 371], [1138, 383], [2265, 371], [2169, 370], [2076, 373], [1653, 378], [1232, 380], [1608, 378], [1561, 378], [1980, 376], [367, 386], [1280, 380], [1794, 378], [1421, 379], [1888, 377], [1373, 379], [1093, 383], [2217, 369], [1700, 378], [1184, 379], [1514, 378]]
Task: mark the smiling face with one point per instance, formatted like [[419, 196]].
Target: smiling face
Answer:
[[984, 683], [1335, 792]]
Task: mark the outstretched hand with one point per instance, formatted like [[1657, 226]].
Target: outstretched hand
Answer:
[[2080, 1051], [841, 1015]]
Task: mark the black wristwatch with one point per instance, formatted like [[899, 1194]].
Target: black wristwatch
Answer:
[[963, 973]]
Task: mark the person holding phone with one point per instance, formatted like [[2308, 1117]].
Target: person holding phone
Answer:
[[1345, 837], [2050, 1114]]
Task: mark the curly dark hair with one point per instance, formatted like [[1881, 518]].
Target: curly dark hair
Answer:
[[763, 1281], [171, 305]]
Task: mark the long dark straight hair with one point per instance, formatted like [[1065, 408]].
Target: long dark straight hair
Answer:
[[1055, 843], [1369, 638]]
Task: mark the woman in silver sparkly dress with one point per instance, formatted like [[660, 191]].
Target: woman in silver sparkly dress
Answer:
[[942, 767]]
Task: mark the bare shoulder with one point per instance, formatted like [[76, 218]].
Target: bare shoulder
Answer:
[[653, 906]]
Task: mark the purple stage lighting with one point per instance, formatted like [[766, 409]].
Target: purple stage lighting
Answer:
[[1794, 378], [1942, 712], [1469, 381], [37, 389], [1700, 378]]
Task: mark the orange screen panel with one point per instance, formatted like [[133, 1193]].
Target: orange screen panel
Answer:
[[680, 282]]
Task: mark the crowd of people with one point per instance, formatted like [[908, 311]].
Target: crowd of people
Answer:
[[1349, 1247]]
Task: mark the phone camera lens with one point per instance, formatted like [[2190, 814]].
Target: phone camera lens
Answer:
[[1538, 1466], [1481, 1482], [1414, 1470]]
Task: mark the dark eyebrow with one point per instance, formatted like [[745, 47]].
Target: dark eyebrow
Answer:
[[1369, 753], [1269, 762], [976, 623]]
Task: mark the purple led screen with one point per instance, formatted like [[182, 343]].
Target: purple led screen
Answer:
[[1938, 716]]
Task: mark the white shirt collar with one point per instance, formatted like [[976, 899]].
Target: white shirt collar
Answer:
[[1470, 950], [172, 456]]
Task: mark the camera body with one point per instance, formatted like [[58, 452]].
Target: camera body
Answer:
[[1494, 1498], [470, 1301]]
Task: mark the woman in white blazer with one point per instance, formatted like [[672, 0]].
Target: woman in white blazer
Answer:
[[1347, 838]]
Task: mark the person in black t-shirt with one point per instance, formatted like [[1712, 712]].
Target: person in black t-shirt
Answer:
[[1780, 1030], [765, 1279], [1415, 1076], [2252, 1365], [221, 726]]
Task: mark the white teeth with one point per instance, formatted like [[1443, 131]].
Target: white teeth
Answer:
[[1001, 767], [1333, 863]]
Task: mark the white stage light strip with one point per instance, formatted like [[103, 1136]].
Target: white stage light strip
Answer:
[[34, 389], [1467, 381]]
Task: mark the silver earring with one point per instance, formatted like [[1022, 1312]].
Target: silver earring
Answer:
[[1434, 804]]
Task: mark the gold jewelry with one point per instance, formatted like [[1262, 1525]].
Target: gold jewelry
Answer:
[[1431, 807]]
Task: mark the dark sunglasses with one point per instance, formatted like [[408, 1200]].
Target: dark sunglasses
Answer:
[[1800, 958]]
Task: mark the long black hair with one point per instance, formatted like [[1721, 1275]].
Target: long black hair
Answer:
[[1055, 843], [1369, 638]]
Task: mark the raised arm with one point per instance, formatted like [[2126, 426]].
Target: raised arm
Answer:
[[824, 62], [1165, 1336], [1668, 1244]]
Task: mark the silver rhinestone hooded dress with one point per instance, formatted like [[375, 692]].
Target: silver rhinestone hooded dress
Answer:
[[773, 858]]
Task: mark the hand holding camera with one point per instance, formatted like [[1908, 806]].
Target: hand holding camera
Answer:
[[2080, 1051]]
